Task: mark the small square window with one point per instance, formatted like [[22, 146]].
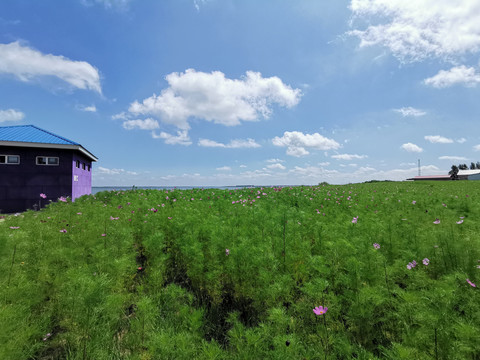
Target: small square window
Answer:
[[41, 160], [13, 159], [83, 166], [52, 161], [88, 167], [77, 164], [3, 159]]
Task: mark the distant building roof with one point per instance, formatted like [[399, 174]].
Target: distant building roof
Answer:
[[32, 136], [431, 177], [468, 172]]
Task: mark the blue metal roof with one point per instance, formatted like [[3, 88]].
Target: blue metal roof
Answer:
[[32, 134]]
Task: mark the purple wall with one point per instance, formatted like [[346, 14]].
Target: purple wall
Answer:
[[21, 185], [81, 178]]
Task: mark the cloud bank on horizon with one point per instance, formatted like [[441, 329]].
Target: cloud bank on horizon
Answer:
[[342, 94]]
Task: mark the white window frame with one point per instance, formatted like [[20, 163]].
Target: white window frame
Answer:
[[46, 160], [10, 163]]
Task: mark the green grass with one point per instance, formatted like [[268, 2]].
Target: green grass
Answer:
[[157, 283]]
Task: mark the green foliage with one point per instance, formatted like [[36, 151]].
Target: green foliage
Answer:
[[235, 274]]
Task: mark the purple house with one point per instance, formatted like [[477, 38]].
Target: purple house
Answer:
[[35, 161]]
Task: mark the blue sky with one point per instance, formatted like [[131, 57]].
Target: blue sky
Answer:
[[224, 92]]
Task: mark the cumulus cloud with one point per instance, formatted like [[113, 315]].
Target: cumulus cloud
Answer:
[[274, 161], [410, 111], [11, 115], [420, 29], [213, 97], [411, 148], [233, 144], [276, 166], [182, 138], [461, 140], [27, 64], [476, 147], [91, 108], [453, 158], [103, 170], [224, 168], [348, 156], [296, 142], [458, 75], [147, 124], [437, 139]]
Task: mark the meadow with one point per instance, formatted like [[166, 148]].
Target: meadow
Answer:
[[363, 271]]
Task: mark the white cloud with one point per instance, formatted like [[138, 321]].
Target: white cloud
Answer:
[[453, 158], [276, 166], [274, 161], [467, 76], [410, 111], [297, 142], [326, 163], [182, 138], [416, 30], [437, 139], [106, 171], [108, 4], [11, 115], [213, 97], [147, 124], [26, 64], [461, 140], [348, 156], [411, 148], [224, 168], [476, 147], [233, 144], [91, 108]]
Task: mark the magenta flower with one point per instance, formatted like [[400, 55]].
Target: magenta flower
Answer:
[[376, 246], [459, 222], [227, 252], [354, 220], [414, 202], [63, 230], [320, 310], [104, 235], [14, 227], [426, 262], [471, 283], [411, 265], [62, 199], [437, 221], [43, 196]]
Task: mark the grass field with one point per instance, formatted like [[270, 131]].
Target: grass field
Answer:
[[379, 270]]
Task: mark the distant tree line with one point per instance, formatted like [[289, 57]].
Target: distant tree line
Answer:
[[454, 171]]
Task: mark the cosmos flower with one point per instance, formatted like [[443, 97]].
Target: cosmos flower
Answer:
[[459, 222], [471, 283], [43, 196], [426, 262], [437, 221], [227, 252], [354, 220], [320, 310], [63, 230], [376, 246]]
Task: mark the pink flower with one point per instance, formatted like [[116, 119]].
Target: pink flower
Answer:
[[14, 227], [471, 283], [437, 221], [426, 262], [414, 202], [376, 246], [104, 235], [63, 230], [320, 310], [354, 220], [43, 196], [62, 199], [227, 252]]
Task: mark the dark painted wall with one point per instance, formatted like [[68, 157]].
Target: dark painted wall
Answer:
[[81, 178], [21, 185]]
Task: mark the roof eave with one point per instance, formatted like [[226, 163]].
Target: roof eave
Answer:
[[51, 146]]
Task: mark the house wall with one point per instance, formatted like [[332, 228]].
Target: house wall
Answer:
[[81, 179], [474, 177], [21, 185]]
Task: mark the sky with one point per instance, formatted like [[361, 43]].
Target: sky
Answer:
[[248, 92]]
